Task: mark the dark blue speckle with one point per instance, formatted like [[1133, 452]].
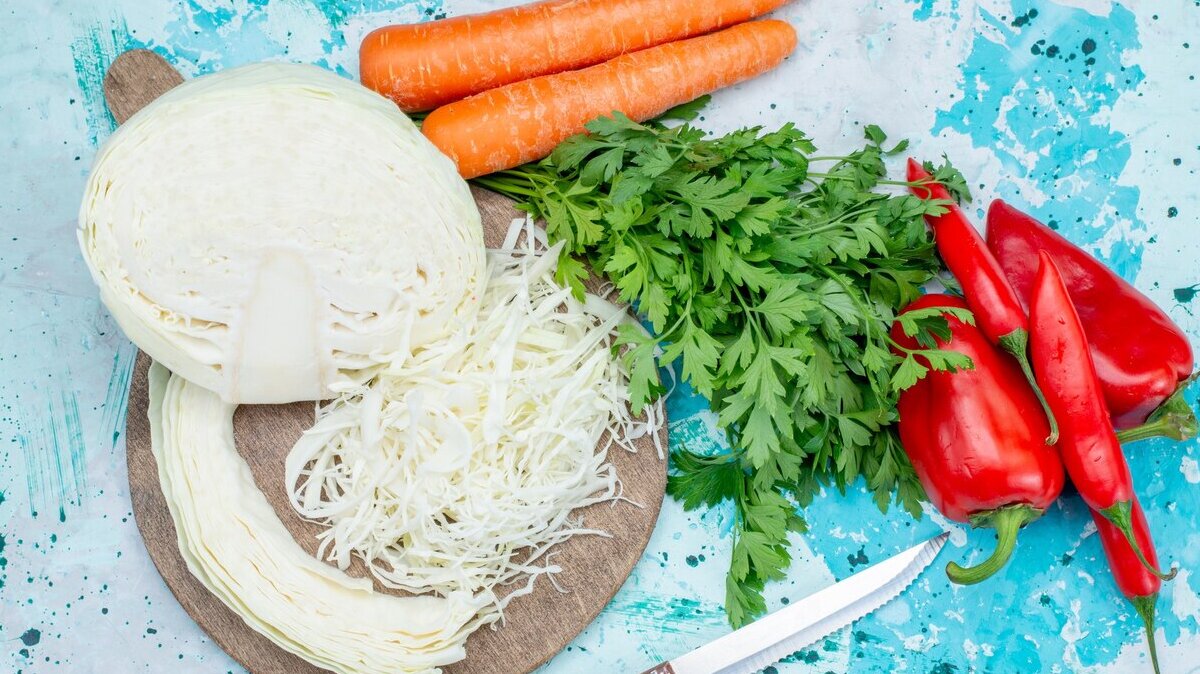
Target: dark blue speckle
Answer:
[[31, 637], [1024, 19]]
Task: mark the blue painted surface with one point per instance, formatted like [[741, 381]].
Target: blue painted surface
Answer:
[[1083, 111]]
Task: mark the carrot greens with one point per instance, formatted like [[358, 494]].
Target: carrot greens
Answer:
[[769, 276]]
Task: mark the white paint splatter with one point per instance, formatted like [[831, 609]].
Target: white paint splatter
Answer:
[[300, 26], [919, 643], [958, 532], [1190, 469], [895, 612], [1185, 603], [1073, 630], [1094, 7]]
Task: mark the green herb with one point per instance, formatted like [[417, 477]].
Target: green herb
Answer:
[[773, 286]]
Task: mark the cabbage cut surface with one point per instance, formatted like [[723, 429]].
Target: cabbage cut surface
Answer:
[[276, 233]]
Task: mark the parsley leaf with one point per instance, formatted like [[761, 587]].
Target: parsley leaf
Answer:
[[703, 480], [687, 111], [949, 176]]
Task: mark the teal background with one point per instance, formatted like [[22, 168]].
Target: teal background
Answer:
[[1087, 112]]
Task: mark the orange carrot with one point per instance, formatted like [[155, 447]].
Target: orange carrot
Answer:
[[422, 66], [521, 122]]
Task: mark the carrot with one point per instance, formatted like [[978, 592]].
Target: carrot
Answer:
[[521, 122], [422, 66]]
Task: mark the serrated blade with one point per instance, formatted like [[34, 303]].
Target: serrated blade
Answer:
[[765, 642]]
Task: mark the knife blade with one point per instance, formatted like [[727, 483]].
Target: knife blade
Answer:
[[774, 637]]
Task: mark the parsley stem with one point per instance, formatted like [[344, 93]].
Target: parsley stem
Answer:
[[750, 312], [839, 176], [509, 185], [685, 314], [831, 224], [829, 158], [910, 352]]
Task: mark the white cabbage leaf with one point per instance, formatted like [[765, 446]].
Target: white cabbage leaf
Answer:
[[236, 546]]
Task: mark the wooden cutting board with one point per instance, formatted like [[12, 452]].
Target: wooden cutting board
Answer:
[[537, 625]]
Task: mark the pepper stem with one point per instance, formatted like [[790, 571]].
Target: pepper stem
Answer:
[[1173, 419], [1017, 344], [1006, 521], [1121, 516], [1144, 605]]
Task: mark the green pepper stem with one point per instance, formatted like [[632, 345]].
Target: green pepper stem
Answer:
[[1144, 605], [1121, 516], [1017, 344], [1006, 521], [1173, 419]]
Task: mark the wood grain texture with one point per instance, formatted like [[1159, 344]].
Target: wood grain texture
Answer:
[[135, 78], [537, 625]]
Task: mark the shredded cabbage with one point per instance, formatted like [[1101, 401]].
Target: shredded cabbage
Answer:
[[457, 469], [275, 232], [235, 545]]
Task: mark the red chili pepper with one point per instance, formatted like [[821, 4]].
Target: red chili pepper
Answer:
[[1088, 446], [997, 310], [1137, 584], [976, 440], [1141, 356]]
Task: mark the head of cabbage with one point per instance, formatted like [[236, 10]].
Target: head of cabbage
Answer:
[[277, 233]]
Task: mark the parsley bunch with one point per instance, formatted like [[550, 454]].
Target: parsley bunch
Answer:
[[773, 285]]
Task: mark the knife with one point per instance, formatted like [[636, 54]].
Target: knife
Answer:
[[778, 635]]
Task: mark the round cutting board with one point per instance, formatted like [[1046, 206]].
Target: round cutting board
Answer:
[[536, 626]]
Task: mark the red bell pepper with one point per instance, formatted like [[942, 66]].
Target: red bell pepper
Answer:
[[977, 440], [997, 310], [1141, 356], [1088, 446], [1133, 580]]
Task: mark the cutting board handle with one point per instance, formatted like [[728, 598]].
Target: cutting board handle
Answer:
[[136, 78]]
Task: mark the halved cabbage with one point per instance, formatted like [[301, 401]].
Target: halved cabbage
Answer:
[[276, 233]]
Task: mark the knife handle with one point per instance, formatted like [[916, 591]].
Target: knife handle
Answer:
[[661, 668]]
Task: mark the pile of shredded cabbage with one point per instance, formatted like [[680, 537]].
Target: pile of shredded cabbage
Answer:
[[237, 547], [457, 469]]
